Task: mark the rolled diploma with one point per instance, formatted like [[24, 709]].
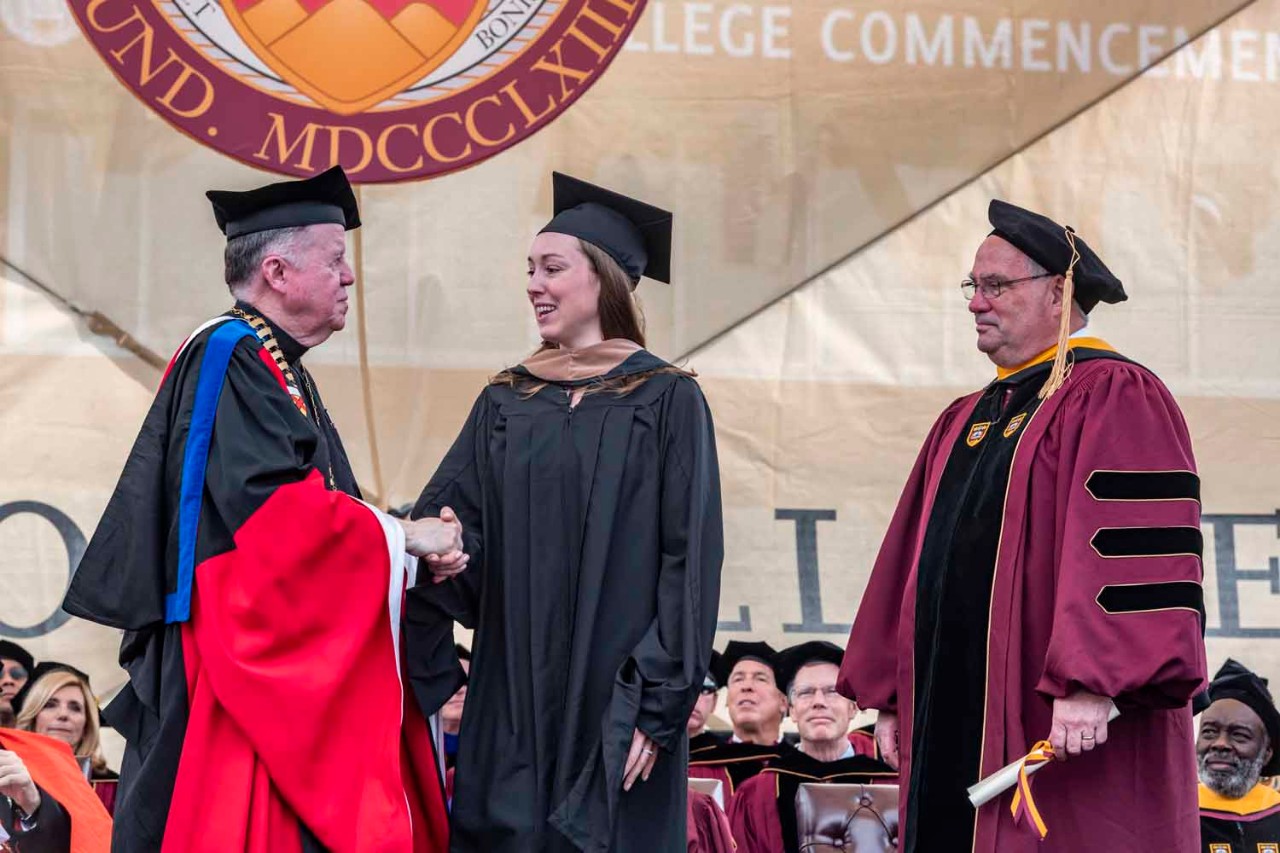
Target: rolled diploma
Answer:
[[1006, 777]]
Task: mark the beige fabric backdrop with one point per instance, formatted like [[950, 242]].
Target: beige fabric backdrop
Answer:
[[787, 138]]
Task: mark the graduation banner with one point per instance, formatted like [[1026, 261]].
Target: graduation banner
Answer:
[[829, 165]]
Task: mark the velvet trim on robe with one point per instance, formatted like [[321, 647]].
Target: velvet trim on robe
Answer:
[[595, 539], [732, 764], [1073, 606], [1250, 824], [763, 815], [236, 719]]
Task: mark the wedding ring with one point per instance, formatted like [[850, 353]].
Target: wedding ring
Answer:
[[646, 752], [1086, 737]]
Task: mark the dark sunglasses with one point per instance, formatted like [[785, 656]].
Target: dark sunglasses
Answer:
[[17, 672]]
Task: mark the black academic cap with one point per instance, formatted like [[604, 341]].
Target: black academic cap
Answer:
[[1236, 681], [44, 668], [712, 678], [1045, 242], [326, 198], [13, 651], [738, 651], [795, 658], [635, 234]]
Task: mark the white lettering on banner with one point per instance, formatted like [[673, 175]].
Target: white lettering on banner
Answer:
[[1031, 43], [848, 35], [977, 49], [942, 45], [708, 29]]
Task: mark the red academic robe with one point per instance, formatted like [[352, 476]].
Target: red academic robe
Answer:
[[1094, 585], [261, 600]]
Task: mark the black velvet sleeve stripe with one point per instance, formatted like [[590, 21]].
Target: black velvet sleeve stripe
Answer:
[[1147, 541], [1148, 597], [1143, 486]]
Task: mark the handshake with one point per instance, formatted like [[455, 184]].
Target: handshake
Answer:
[[438, 541]]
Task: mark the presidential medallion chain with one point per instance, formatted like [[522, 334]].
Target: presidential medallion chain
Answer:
[[295, 388]]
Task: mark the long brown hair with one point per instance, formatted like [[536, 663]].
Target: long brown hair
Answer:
[[620, 317]]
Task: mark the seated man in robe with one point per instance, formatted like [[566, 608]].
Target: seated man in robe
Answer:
[[1236, 746], [763, 815], [699, 737], [756, 708]]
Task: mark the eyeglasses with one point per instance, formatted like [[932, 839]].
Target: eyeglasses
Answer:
[[805, 695], [992, 288], [16, 672]]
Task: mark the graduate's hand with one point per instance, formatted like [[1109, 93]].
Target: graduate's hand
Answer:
[[16, 784], [441, 537], [887, 737], [445, 565], [1079, 723], [640, 760]]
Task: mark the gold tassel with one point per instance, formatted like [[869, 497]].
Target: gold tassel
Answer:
[[1062, 359]]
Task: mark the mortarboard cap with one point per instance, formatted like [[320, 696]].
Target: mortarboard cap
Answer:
[[326, 198], [635, 234], [792, 660], [1045, 242], [13, 651], [738, 651], [1236, 681]]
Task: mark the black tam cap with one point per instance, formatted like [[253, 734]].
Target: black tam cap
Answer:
[[712, 678], [1045, 242], [1236, 681], [13, 651], [738, 651], [796, 658], [635, 234], [45, 667], [325, 199]]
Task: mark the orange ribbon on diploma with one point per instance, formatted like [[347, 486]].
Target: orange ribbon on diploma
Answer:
[[1017, 775], [1023, 805]]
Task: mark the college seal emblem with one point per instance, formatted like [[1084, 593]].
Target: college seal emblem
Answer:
[[391, 90]]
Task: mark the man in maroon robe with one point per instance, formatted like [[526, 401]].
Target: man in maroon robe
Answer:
[[763, 815], [756, 708], [1042, 564]]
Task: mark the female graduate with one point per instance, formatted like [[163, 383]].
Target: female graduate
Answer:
[[587, 485]]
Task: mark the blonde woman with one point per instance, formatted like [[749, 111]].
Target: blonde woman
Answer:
[[59, 703]]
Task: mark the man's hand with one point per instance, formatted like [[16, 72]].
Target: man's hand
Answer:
[[640, 760], [439, 541], [1079, 723], [16, 784], [887, 737]]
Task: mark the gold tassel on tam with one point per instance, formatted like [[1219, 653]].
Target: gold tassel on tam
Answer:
[[1062, 359]]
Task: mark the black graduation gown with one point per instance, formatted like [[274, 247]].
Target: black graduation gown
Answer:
[[596, 543], [259, 444]]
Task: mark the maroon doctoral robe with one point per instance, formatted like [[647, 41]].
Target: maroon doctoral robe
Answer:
[[763, 815], [732, 763], [1041, 548]]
